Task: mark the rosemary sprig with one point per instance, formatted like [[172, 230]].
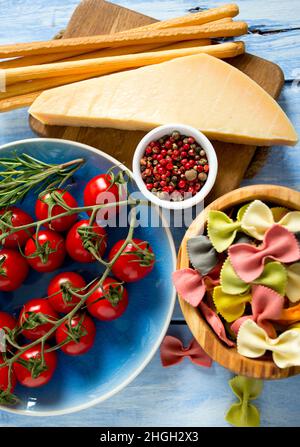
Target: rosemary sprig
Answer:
[[23, 173]]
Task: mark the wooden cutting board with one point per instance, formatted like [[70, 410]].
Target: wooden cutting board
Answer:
[[100, 17]]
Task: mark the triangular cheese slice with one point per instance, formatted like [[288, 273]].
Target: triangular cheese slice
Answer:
[[199, 90]]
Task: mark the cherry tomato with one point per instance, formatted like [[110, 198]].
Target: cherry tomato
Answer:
[[17, 218], [64, 301], [135, 262], [48, 254], [77, 244], [81, 335], [37, 374], [42, 210], [35, 327], [4, 379], [13, 270], [101, 190], [7, 321], [109, 301]]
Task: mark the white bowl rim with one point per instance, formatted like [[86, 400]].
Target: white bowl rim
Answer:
[[169, 316], [157, 133]]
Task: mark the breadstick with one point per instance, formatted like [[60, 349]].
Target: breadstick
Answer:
[[131, 49], [198, 18], [149, 27], [27, 61], [105, 65], [18, 102], [184, 44], [85, 44], [21, 88]]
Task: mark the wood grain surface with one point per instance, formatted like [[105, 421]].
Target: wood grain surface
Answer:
[[99, 17]]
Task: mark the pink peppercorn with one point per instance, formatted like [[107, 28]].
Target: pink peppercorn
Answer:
[[173, 164]]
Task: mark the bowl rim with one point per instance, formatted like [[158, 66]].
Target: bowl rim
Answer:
[[199, 327], [154, 349], [157, 133]]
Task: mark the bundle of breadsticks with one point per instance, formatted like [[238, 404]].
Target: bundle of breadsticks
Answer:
[[30, 68]]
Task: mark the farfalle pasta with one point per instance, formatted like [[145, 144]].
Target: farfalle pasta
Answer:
[[254, 219], [202, 254], [172, 352], [266, 307], [274, 276], [248, 260], [229, 306], [243, 413], [293, 282], [258, 218], [253, 342], [244, 278]]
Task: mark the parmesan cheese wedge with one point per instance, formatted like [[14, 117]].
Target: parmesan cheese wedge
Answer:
[[199, 90]]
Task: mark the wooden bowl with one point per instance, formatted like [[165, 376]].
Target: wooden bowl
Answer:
[[215, 348]]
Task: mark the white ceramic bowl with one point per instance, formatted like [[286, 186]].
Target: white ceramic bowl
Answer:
[[158, 133]]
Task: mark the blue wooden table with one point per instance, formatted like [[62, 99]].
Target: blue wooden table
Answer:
[[184, 395]]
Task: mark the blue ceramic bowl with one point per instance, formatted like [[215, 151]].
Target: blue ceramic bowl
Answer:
[[123, 347]]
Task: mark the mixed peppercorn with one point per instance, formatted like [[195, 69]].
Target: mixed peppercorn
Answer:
[[174, 167]]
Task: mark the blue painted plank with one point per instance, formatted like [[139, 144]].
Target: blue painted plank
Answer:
[[206, 396], [26, 20], [282, 49], [283, 164], [254, 11], [182, 395]]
